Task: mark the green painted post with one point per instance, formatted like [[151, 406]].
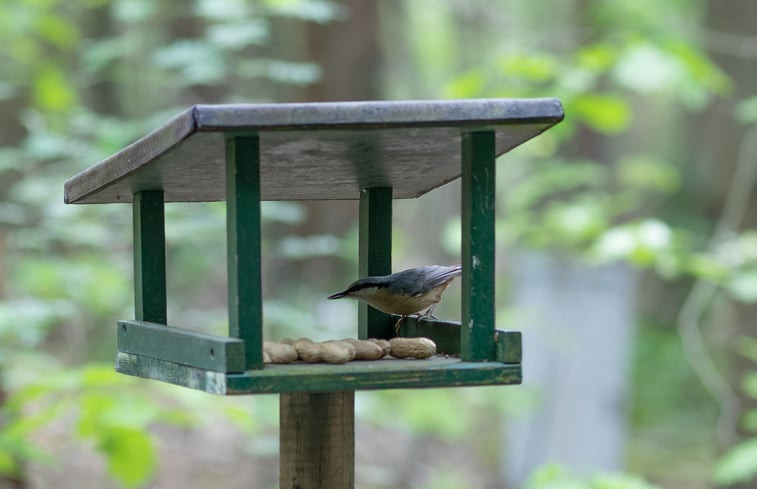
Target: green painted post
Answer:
[[243, 245], [374, 255], [478, 186], [149, 257]]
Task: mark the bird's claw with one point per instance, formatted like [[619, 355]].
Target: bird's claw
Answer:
[[398, 324]]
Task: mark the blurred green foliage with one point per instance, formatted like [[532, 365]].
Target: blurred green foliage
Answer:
[[80, 80], [739, 464], [556, 477], [614, 181]]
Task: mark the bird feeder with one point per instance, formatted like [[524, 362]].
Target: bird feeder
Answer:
[[370, 152]]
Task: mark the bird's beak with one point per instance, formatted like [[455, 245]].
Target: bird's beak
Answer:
[[338, 295]]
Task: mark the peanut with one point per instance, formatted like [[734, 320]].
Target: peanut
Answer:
[[279, 352], [328, 351], [337, 352], [307, 350], [382, 343], [412, 347], [365, 349]]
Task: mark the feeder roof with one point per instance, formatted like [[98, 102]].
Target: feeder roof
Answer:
[[312, 151]]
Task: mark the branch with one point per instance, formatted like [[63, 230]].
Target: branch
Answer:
[[702, 292]]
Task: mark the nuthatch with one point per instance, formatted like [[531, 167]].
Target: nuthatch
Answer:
[[405, 292]]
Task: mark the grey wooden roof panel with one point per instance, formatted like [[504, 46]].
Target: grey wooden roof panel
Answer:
[[312, 151]]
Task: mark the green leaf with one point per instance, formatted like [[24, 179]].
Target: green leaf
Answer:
[[52, 91], [93, 405], [620, 481], [576, 222], [321, 11], [281, 71], [647, 69], [605, 113], [746, 110], [553, 476], [641, 242], [8, 466], [535, 67], [597, 57], [135, 11], [470, 84], [130, 454], [742, 284], [238, 35], [749, 420], [738, 465], [58, 30], [94, 376], [749, 384], [747, 347], [700, 69], [647, 173]]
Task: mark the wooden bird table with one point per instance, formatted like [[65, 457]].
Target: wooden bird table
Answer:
[[372, 152]]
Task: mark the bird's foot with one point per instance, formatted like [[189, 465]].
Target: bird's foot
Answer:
[[428, 313], [398, 324], [424, 316]]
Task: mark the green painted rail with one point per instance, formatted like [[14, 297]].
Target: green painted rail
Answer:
[[438, 371]]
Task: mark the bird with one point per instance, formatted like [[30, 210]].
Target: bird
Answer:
[[403, 293]]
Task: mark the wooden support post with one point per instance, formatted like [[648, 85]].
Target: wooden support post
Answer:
[[243, 245], [478, 187], [374, 255], [317, 440], [149, 257]]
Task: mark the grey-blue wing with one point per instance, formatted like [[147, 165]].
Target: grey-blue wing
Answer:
[[423, 279]]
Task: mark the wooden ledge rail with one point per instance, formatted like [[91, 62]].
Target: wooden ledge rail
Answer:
[[446, 335], [181, 346]]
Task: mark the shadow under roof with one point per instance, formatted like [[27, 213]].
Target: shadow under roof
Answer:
[[312, 151]]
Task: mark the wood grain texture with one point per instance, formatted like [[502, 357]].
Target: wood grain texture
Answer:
[[312, 151], [174, 373], [243, 248], [477, 222], [438, 371], [317, 440], [509, 346], [182, 346]]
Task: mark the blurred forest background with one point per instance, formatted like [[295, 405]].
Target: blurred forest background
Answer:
[[649, 179]]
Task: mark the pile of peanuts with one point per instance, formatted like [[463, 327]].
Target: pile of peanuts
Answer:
[[343, 351]]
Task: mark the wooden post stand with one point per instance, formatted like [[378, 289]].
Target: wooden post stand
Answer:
[[317, 440]]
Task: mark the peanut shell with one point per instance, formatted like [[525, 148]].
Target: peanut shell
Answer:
[[336, 351], [307, 350], [280, 352], [412, 347], [365, 350], [382, 343]]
